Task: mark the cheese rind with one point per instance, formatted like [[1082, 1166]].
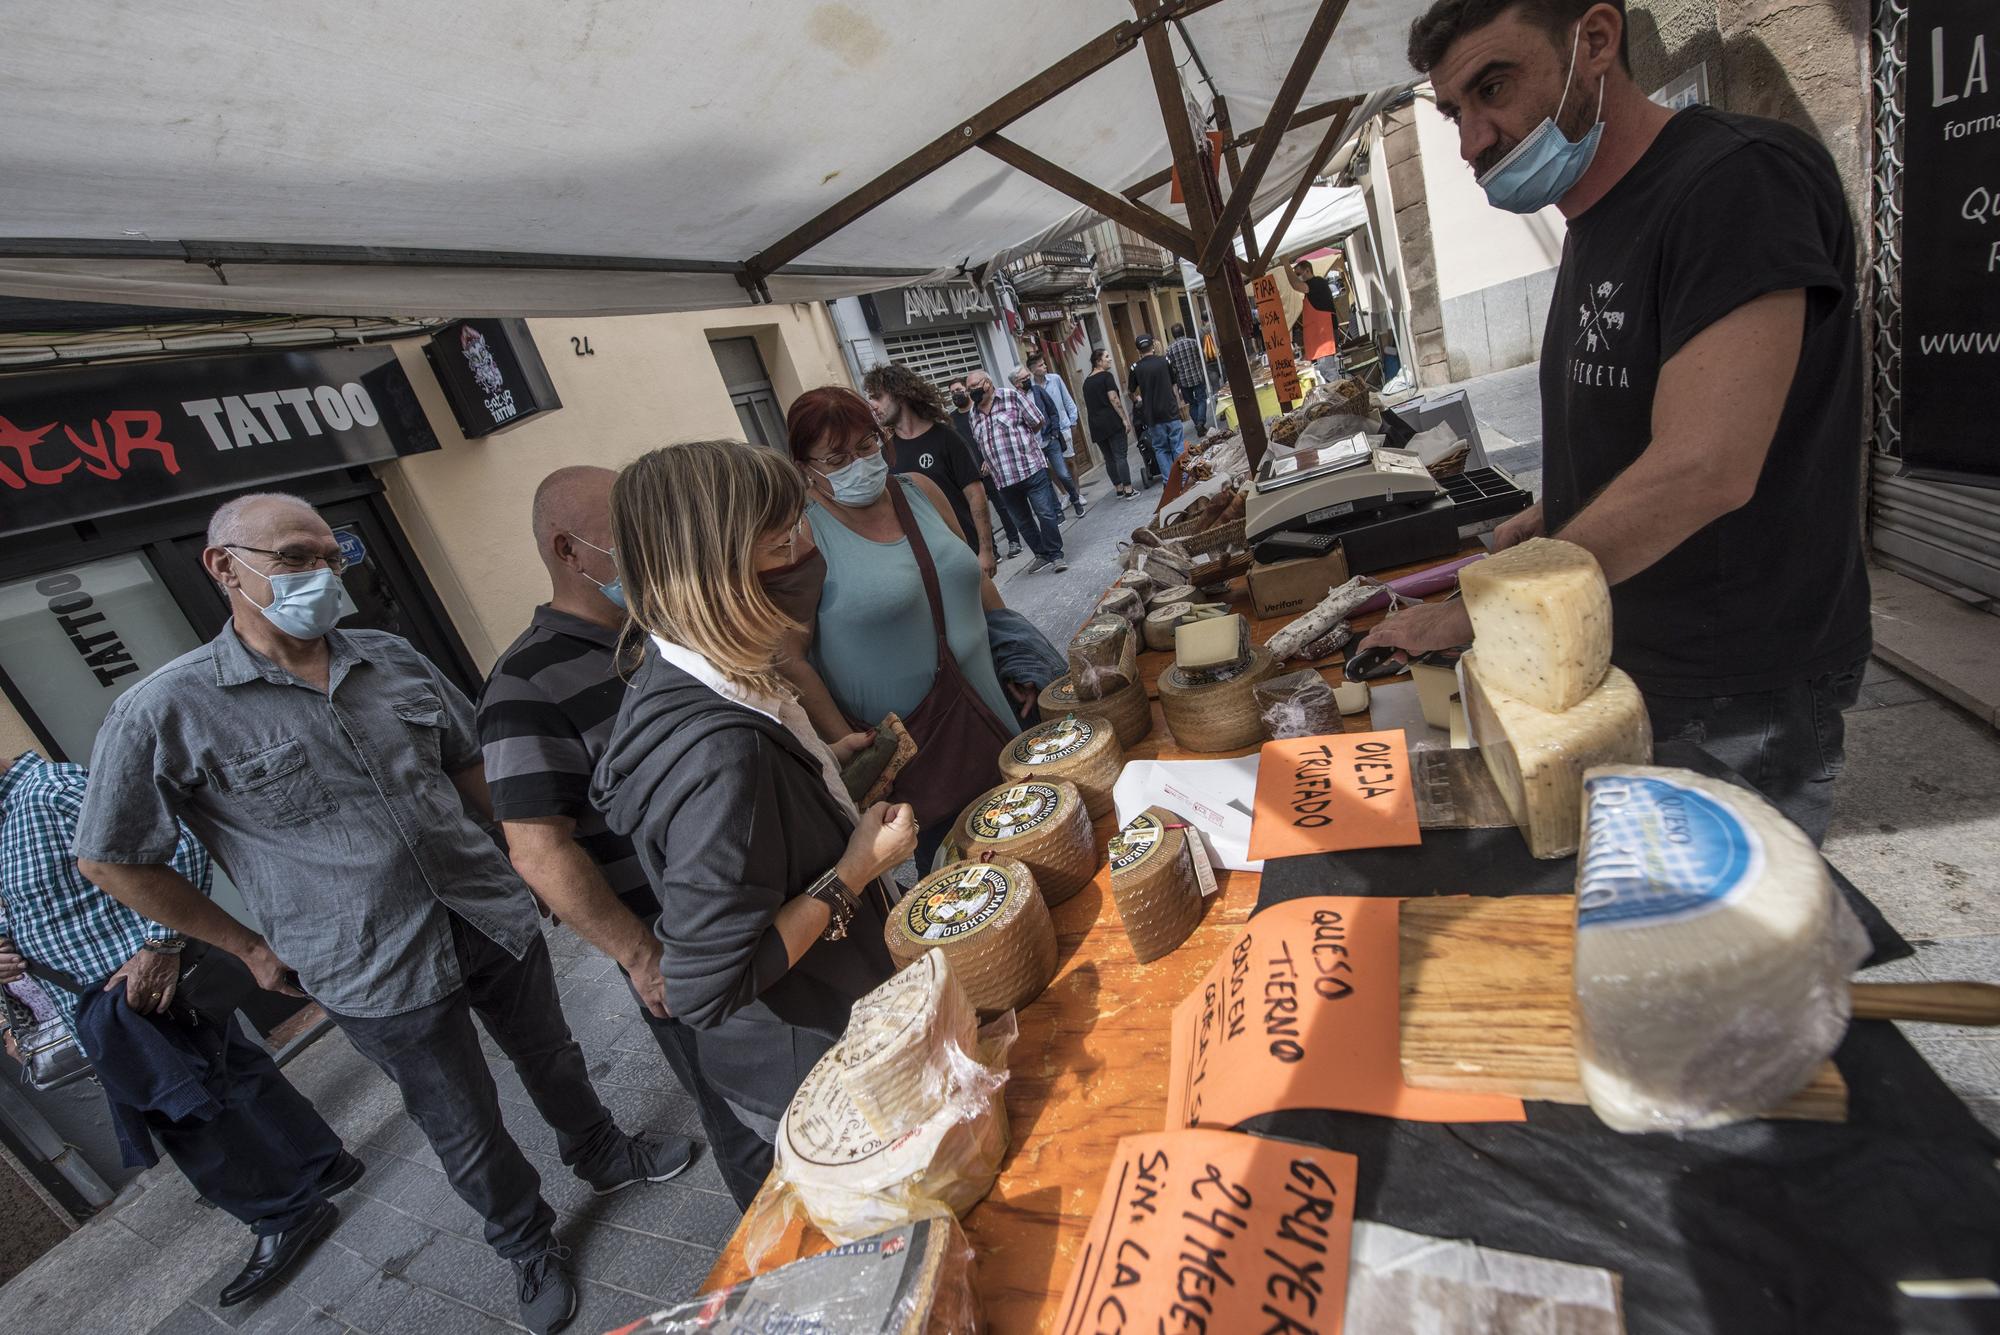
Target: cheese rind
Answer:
[[1541, 616], [1712, 952], [1537, 758]]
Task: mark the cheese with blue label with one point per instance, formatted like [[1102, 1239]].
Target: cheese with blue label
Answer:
[[1712, 952]]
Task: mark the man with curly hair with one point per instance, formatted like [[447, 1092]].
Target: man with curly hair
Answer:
[[921, 440]]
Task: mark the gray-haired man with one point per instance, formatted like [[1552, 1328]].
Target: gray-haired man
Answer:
[[336, 776]]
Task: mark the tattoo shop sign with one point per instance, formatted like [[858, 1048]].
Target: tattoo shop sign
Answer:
[[87, 441]]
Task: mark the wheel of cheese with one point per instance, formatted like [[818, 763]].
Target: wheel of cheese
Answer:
[[1130, 711], [1172, 593], [989, 920], [1041, 823], [1154, 882], [1138, 581], [1160, 623], [852, 1181], [1541, 615], [1216, 715], [893, 1060], [1076, 747]]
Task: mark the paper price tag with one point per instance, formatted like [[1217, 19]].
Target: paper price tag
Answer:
[[1304, 1011], [1214, 1231], [1331, 793]]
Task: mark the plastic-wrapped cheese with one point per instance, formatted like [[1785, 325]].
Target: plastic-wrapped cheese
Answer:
[[1538, 758], [893, 1053], [1129, 712], [1541, 616], [1712, 952], [1103, 657], [1081, 749]]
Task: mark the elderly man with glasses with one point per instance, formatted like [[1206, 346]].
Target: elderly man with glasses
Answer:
[[336, 776], [1009, 431]]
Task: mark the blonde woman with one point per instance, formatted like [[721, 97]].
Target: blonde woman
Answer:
[[771, 907]]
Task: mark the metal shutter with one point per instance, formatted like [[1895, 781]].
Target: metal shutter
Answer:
[[939, 356]]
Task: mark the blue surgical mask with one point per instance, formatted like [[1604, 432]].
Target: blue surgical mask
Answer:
[[860, 482], [614, 592], [1543, 167], [304, 604]]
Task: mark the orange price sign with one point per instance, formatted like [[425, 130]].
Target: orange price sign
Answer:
[[1332, 793], [1214, 1231], [1305, 1011], [1277, 333]]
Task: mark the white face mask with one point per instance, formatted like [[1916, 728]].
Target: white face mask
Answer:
[[1543, 167], [304, 604], [859, 482]]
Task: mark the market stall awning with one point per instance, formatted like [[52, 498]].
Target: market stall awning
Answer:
[[515, 156]]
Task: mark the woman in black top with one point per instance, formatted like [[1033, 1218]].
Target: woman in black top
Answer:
[[1107, 419], [768, 878]]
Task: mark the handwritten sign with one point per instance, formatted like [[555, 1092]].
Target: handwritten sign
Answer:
[[1335, 792], [1210, 1231], [1277, 332], [1303, 1012]]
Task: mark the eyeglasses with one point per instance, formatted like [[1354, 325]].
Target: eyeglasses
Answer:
[[294, 559], [787, 546], [833, 463]]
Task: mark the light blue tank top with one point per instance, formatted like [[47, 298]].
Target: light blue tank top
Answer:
[[875, 647]]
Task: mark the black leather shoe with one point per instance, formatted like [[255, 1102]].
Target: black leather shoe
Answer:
[[341, 1174], [276, 1253]]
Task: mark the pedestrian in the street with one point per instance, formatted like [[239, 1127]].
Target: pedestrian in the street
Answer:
[[1184, 355], [1108, 426], [1059, 430], [961, 422], [768, 876], [175, 1068], [1159, 405], [922, 441], [1052, 441], [1701, 385], [1009, 430], [335, 775], [890, 544], [544, 718]]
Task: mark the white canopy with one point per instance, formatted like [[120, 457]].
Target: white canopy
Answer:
[[193, 152], [1328, 213]]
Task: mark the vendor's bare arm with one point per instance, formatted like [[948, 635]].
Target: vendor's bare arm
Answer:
[[1714, 415], [544, 850]]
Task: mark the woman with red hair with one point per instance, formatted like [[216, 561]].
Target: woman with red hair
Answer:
[[901, 620]]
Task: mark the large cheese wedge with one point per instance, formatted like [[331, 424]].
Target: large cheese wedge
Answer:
[[1712, 952], [1541, 616], [1538, 758]]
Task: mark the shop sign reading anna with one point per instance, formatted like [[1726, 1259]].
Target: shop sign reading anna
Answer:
[[97, 440]]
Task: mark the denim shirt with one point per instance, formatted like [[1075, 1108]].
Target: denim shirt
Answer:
[[333, 813]]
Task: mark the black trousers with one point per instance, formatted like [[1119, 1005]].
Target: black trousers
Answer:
[[1112, 447], [261, 1158], [1007, 524], [434, 1057], [742, 1156]]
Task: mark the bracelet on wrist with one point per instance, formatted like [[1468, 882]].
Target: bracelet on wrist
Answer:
[[164, 945]]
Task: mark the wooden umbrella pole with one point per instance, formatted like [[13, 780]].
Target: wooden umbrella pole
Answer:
[[1229, 344]]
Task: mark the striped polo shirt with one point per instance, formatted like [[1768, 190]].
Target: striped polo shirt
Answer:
[[545, 717]]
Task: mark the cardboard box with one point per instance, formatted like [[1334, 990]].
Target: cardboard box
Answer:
[[1286, 588]]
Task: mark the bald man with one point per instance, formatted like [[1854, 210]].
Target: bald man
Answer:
[[544, 717], [336, 777]]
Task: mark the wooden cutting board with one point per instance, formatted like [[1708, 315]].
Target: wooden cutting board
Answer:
[[1487, 993]]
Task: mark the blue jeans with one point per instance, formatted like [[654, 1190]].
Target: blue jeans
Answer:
[[1197, 400], [1060, 472], [1037, 513], [1164, 440], [1788, 743]]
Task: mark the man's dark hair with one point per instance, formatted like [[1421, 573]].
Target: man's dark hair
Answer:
[[900, 382], [1180, 331], [1448, 20], [1036, 359]]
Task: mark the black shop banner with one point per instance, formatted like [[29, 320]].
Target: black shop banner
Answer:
[[88, 441], [1951, 240]]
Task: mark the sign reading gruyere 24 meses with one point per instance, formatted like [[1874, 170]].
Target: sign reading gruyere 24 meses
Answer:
[[1951, 238]]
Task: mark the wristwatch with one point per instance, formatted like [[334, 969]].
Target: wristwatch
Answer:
[[831, 891], [164, 945]]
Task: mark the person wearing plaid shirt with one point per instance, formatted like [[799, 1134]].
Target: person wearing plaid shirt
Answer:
[[1184, 355], [1009, 431], [246, 1138]]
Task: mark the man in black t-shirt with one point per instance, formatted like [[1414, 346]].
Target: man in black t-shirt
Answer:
[[1701, 394], [1152, 379], [922, 440]]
